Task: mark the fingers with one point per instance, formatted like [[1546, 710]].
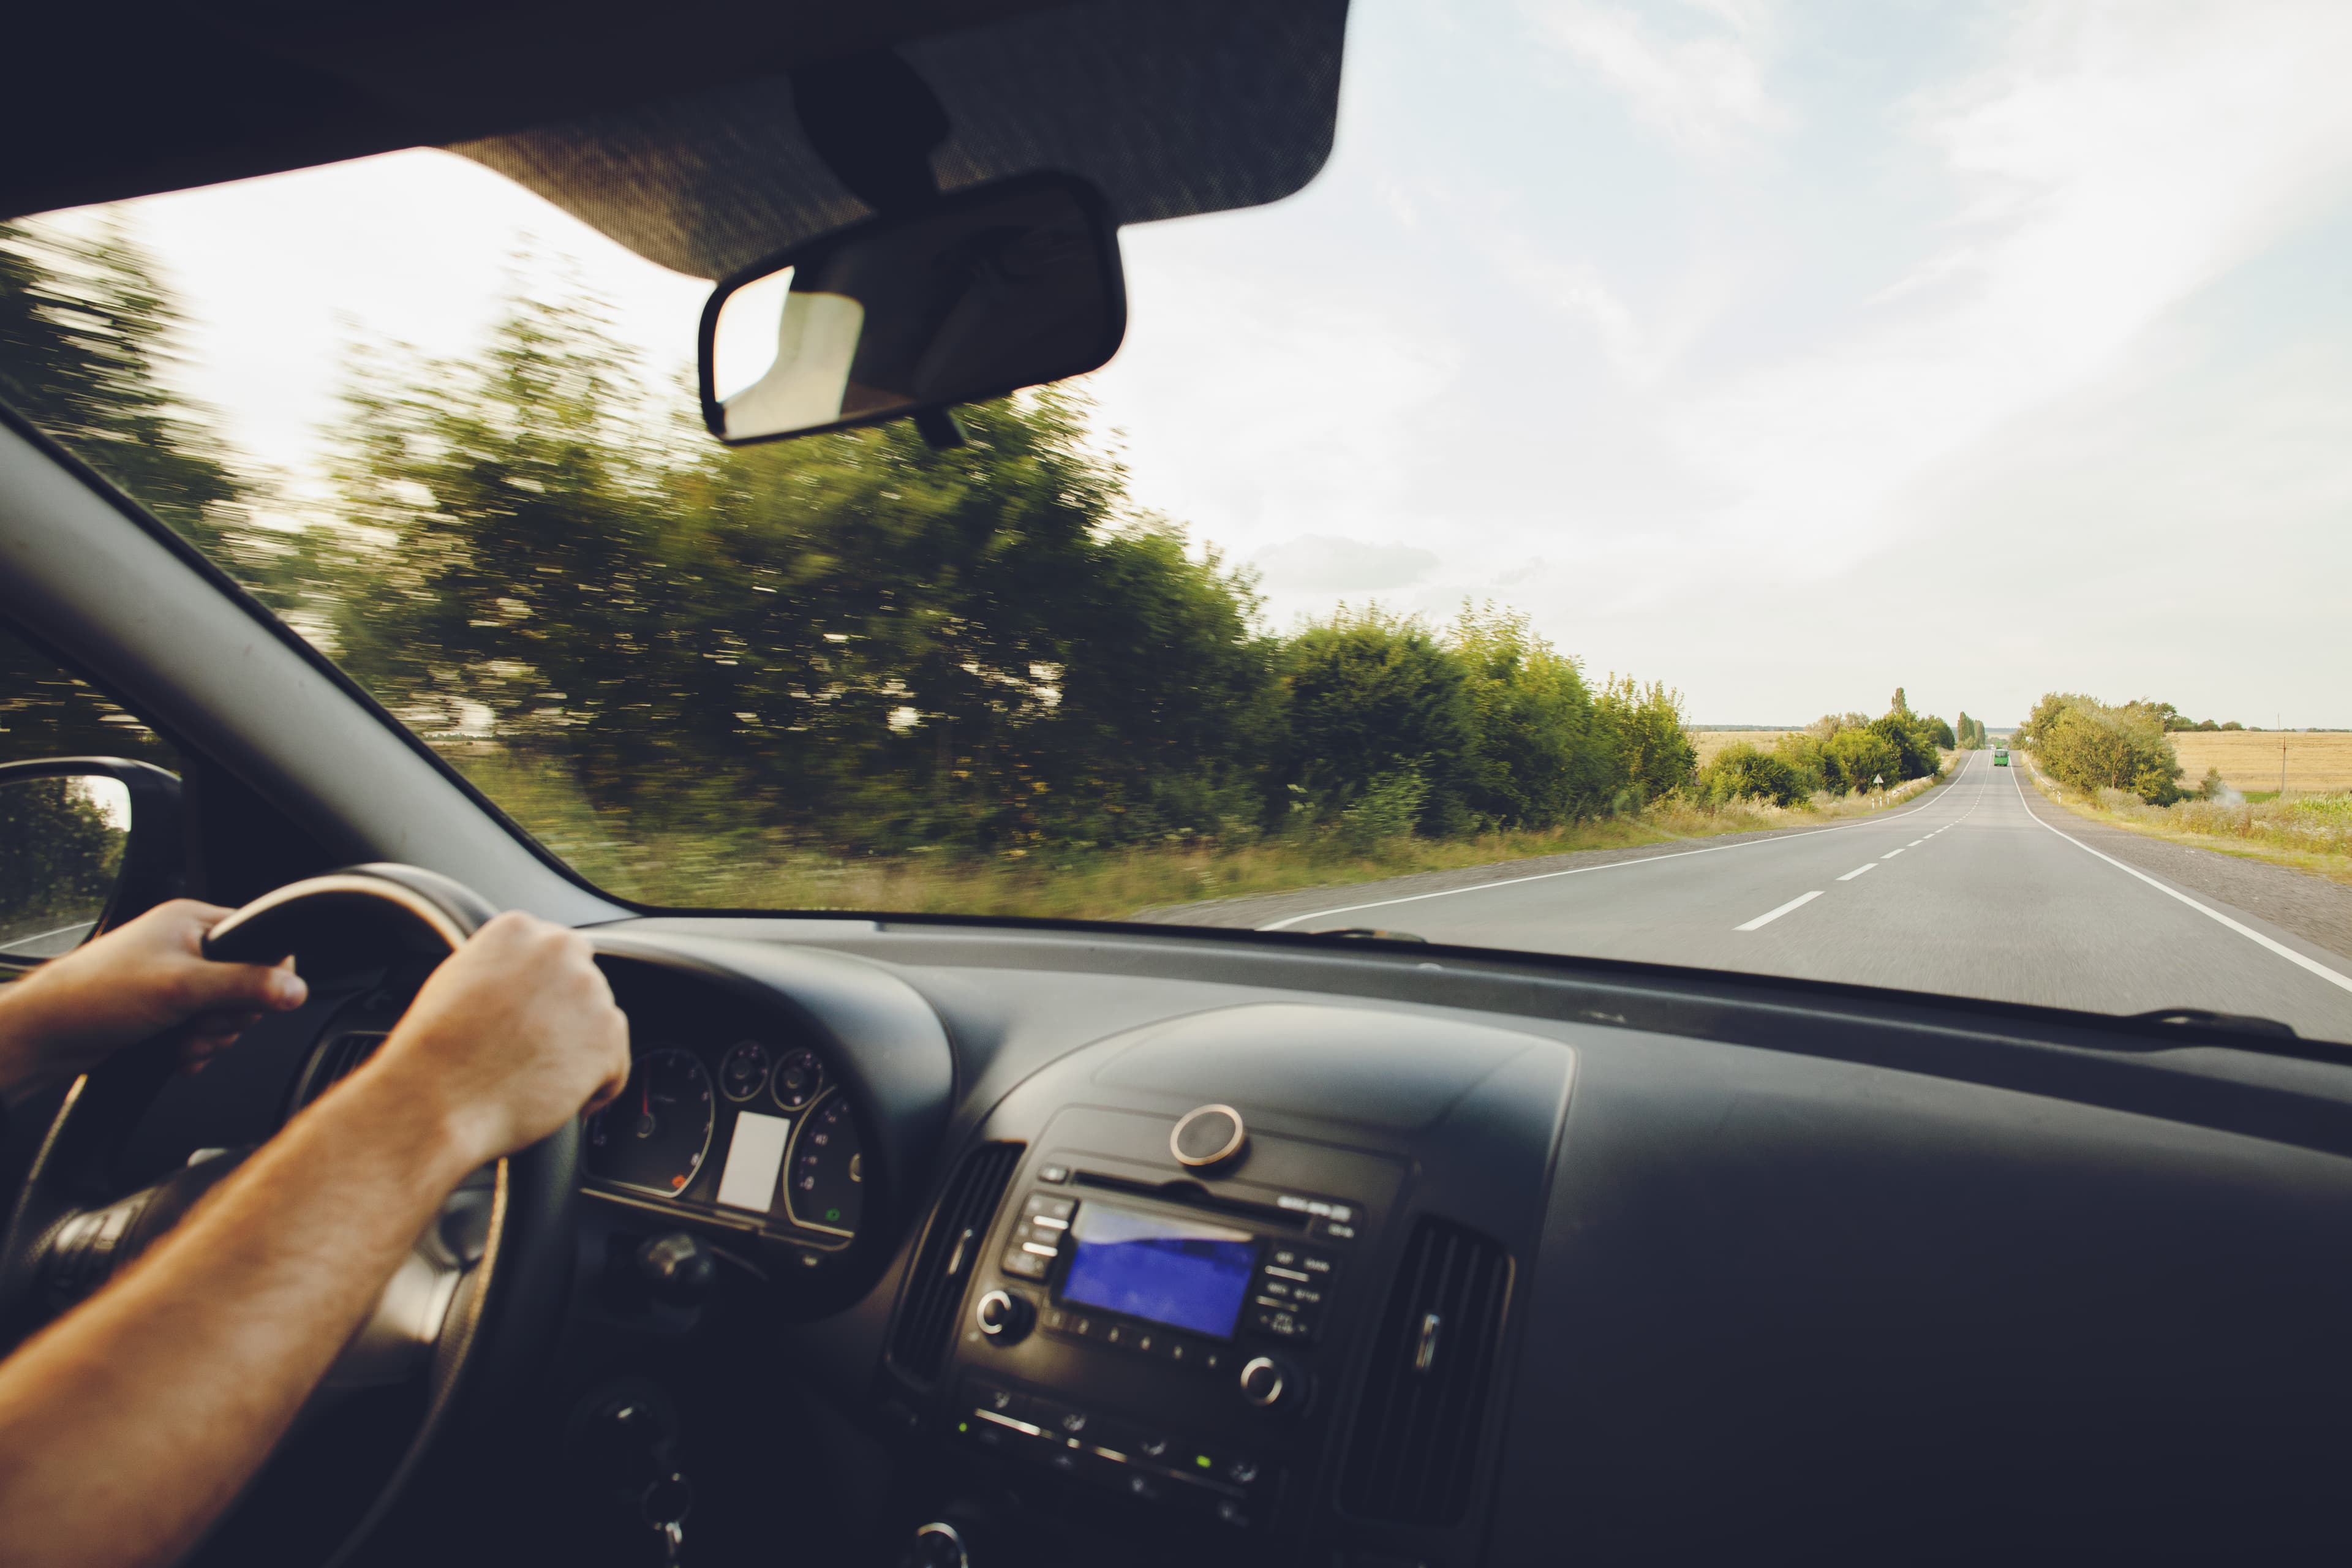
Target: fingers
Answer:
[[206, 987]]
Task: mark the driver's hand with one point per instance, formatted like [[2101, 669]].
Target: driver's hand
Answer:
[[511, 1036], [141, 979]]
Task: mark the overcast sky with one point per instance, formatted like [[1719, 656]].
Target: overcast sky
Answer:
[[1782, 352]]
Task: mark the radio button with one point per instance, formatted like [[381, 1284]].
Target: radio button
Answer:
[[1054, 1173], [1330, 1230], [1315, 1263], [1282, 1323], [1305, 1296], [1050, 1204], [1023, 1265], [1284, 1258], [999, 1401], [1060, 1420]]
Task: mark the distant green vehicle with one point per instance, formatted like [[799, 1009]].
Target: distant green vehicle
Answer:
[[2000, 756]]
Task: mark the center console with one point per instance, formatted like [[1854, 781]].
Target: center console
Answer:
[[1196, 1315], [1161, 1344]]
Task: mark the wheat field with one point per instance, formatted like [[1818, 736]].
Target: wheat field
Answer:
[[1710, 742], [2314, 762]]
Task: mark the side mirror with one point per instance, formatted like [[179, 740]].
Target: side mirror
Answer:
[[970, 296], [86, 843]]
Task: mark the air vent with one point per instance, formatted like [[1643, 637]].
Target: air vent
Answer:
[[1415, 1447], [951, 1250], [341, 1057]]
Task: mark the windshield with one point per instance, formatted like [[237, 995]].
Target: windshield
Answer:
[[1853, 493]]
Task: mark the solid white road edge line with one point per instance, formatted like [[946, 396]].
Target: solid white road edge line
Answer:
[[1858, 870], [1799, 901], [1581, 870], [2330, 975]]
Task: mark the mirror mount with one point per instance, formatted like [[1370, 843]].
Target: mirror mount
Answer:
[[154, 848], [940, 429], [875, 123]]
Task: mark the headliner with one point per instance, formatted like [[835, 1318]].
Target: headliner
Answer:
[[673, 132]]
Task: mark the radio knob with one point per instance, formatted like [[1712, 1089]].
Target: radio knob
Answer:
[[1003, 1316], [1266, 1382]]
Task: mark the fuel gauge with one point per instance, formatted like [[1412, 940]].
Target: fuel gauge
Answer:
[[799, 1079], [744, 1071]]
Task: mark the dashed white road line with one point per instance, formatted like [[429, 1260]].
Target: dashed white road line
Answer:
[[1858, 870], [1769, 916], [1611, 866], [1891, 854]]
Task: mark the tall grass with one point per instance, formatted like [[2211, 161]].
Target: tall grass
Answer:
[[697, 854], [2309, 832]]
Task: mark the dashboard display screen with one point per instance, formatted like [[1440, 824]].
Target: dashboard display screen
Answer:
[[1178, 1272]]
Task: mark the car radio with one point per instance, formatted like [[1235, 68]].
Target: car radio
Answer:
[[1153, 1346]]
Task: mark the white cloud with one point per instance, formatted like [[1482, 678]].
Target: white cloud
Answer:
[[2115, 159], [1323, 566], [1698, 78]]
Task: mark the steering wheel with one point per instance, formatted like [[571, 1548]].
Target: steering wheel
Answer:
[[484, 1282]]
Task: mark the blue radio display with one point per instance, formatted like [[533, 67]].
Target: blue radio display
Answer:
[[1178, 1272]]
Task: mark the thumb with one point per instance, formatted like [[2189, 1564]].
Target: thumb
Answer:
[[244, 988]]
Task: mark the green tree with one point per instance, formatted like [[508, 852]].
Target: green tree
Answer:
[[1739, 771], [59, 856], [1536, 759], [1370, 696], [86, 335], [856, 638], [1861, 758], [1641, 727], [2089, 746]]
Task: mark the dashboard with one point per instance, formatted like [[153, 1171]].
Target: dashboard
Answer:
[[1229, 1250], [1044, 1248]]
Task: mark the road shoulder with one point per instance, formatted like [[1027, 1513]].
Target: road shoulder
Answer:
[[1263, 910], [2313, 907]]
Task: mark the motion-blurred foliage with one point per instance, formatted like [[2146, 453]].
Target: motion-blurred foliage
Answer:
[[851, 645]]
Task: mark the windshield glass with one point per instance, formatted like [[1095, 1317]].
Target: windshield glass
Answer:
[[1849, 492]]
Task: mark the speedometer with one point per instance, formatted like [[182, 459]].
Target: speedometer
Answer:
[[655, 1136]]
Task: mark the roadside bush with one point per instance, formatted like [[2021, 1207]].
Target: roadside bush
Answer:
[[1388, 808], [1537, 759], [1369, 695], [1643, 730], [1854, 759], [2089, 746], [1740, 772]]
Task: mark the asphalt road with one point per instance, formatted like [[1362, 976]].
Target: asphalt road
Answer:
[[1981, 888]]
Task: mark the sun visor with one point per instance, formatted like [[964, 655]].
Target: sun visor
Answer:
[[1168, 107]]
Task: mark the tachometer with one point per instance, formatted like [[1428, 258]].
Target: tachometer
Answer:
[[656, 1135]]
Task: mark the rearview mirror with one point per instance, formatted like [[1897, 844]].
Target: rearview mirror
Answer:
[[85, 843], [973, 296]]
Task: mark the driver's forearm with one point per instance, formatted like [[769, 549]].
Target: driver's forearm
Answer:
[[126, 1427]]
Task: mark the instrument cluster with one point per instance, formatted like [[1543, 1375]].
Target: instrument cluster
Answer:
[[751, 1130]]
